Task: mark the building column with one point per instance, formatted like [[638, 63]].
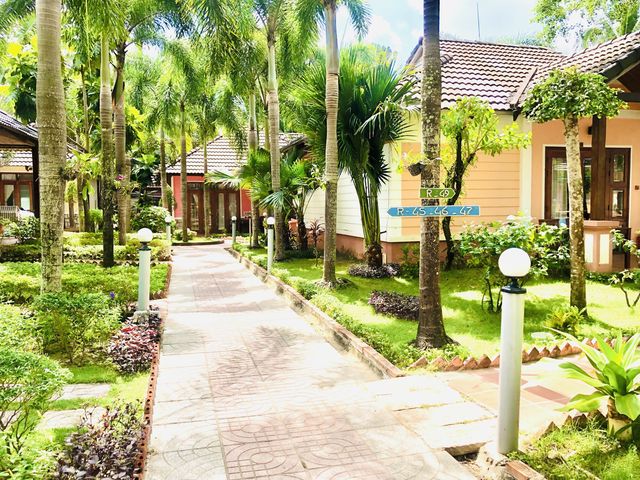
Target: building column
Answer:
[[598, 168], [526, 169]]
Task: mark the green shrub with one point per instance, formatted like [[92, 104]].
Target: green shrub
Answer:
[[28, 252], [307, 288], [25, 229], [20, 282], [19, 330], [76, 325], [565, 318], [96, 218], [177, 234], [410, 264], [28, 382], [482, 245], [149, 217]]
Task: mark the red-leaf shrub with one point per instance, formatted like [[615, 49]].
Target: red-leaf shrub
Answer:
[[365, 271], [103, 449], [133, 347], [395, 304]]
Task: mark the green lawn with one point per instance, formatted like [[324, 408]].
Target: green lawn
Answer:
[[465, 319], [582, 454]]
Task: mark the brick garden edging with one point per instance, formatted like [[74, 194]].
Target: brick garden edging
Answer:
[[532, 355], [337, 332]]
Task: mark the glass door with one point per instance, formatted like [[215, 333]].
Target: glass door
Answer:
[[556, 187], [617, 195]]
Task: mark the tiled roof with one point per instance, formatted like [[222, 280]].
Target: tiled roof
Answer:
[[489, 71], [609, 59], [15, 157], [17, 127], [503, 74], [222, 156]]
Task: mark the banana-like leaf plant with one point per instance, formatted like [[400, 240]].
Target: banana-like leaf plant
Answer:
[[615, 378]]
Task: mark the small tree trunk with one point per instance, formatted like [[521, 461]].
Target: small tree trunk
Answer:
[[274, 150], [431, 331], [119, 129], [106, 124], [455, 182], [331, 155], [72, 214], [83, 210], [302, 233], [576, 214], [206, 191], [52, 129], [183, 171], [164, 191]]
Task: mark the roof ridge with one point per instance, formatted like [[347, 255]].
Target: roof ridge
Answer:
[[603, 44]]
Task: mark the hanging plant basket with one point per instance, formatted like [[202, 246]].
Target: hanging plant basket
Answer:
[[415, 169]]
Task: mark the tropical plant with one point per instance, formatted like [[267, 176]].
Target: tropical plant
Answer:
[[299, 177], [316, 229], [471, 127], [373, 108], [615, 378], [570, 95], [310, 14], [622, 279]]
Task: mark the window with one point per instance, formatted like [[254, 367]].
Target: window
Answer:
[[221, 225], [559, 191], [619, 168], [233, 205], [617, 204], [25, 197], [8, 194]]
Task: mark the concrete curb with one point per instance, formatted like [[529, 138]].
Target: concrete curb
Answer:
[[332, 329]]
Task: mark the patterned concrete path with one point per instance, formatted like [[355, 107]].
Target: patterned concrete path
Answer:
[[248, 390]]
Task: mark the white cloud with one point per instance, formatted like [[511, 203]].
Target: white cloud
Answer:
[[416, 5], [382, 32]]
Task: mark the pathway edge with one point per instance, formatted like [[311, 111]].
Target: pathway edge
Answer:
[[332, 329]]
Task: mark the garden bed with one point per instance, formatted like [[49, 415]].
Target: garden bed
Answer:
[[93, 383], [476, 330]]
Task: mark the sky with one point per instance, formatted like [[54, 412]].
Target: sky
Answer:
[[398, 23]]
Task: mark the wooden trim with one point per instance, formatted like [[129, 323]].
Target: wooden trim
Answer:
[[599, 168], [629, 97]]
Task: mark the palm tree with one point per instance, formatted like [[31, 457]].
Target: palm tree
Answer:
[[300, 177], [52, 128], [310, 12], [431, 331], [374, 103]]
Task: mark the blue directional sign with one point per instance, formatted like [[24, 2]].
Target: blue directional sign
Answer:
[[436, 211]]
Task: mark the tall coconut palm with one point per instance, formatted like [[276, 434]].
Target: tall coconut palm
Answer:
[[310, 13], [143, 20], [431, 331], [52, 150]]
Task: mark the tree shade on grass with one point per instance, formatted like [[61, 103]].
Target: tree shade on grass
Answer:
[[467, 322]]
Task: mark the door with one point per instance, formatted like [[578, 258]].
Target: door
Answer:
[[617, 189], [225, 205], [195, 207]]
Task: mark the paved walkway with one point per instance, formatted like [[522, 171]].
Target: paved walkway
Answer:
[[247, 389]]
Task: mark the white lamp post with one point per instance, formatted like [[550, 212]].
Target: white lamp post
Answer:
[[270, 223], [234, 222], [514, 264], [144, 269], [168, 220]]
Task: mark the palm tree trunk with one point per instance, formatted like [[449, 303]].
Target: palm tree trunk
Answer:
[[431, 331], [206, 191], [120, 146], [274, 150], [331, 156], [183, 170], [83, 211], [253, 147], [108, 167], [164, 193], [52, 129], [576, 216]]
